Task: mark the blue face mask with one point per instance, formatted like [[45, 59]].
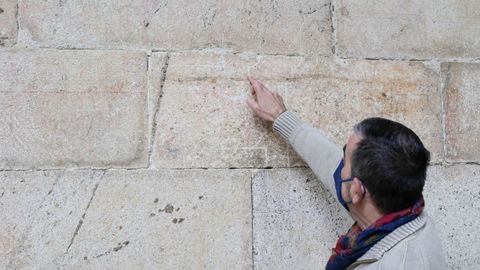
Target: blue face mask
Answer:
[[337, 175]]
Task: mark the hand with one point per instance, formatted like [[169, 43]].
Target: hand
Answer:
[[266, 104]]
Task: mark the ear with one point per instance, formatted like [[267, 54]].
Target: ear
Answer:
[[356, 189]]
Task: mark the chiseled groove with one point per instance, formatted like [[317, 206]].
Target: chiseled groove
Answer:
[[444, 81], [82, 218], [220, 50], [333, 27], [440, 60], [153, 130], [18, 24], [439, 163], [252, 228]]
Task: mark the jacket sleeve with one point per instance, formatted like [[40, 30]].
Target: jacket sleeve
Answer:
[[322, 155]]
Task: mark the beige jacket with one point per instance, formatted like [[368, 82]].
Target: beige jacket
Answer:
[[414, 245]]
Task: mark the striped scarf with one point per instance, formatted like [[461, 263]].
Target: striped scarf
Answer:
[[357, 242]]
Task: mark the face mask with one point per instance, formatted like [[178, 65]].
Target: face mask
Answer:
[[338, 184]]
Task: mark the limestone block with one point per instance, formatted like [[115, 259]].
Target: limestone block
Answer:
[[286, 27], [41, 213], [204, 121], [453, 201], [462, 99], [408, 29], [178, 219], [8, 22], [296, 221], [72, 108]]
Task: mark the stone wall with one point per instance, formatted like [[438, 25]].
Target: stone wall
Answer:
[[126, 141]]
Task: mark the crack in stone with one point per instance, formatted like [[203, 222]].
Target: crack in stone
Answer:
[[440, 60], [80, 222], [444, 81], [16, 21], [472, 60], [251, 207], [333, 27], [51, 189], [449, 163], [153, 130], [114, 249]]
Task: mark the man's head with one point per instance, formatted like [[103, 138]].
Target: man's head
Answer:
[[389, 161]]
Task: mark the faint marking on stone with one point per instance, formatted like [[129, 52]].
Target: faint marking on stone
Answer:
[[80, 222], [115, 249], [156, 200], [168, 208], [120, 246], [1, 11], [179, 220]]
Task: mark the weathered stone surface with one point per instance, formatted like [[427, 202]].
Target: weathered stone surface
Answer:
[[41, 212], [72, 108], [462, 100], [185, 219], [296, 221], [287, 27], [453, 200], [408, 29], [213, 126], [8, 22]]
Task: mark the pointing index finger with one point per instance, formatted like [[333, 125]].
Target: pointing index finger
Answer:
[[257, 86]]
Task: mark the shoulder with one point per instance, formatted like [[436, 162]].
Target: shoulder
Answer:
[[421, 249]]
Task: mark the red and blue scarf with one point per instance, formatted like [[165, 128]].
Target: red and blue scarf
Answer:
[[357, 242]]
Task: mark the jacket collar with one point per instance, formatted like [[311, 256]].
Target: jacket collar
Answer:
[[376, 252]]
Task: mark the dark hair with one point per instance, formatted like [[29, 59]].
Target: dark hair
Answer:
[[391, 162]]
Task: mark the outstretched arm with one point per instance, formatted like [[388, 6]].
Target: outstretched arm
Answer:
[[321, 154]]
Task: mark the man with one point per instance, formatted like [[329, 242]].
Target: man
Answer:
[[378, 178]]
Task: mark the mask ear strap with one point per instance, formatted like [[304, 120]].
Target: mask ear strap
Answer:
[[346, 181], [364, 191]]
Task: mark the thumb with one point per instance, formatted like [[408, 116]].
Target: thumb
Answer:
[[253, 105]]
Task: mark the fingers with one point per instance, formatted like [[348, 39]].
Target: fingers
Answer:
[[256, 85], [258, 111]]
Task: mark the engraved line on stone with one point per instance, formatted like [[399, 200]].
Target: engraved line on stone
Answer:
[[80, 222], [153, 130]]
